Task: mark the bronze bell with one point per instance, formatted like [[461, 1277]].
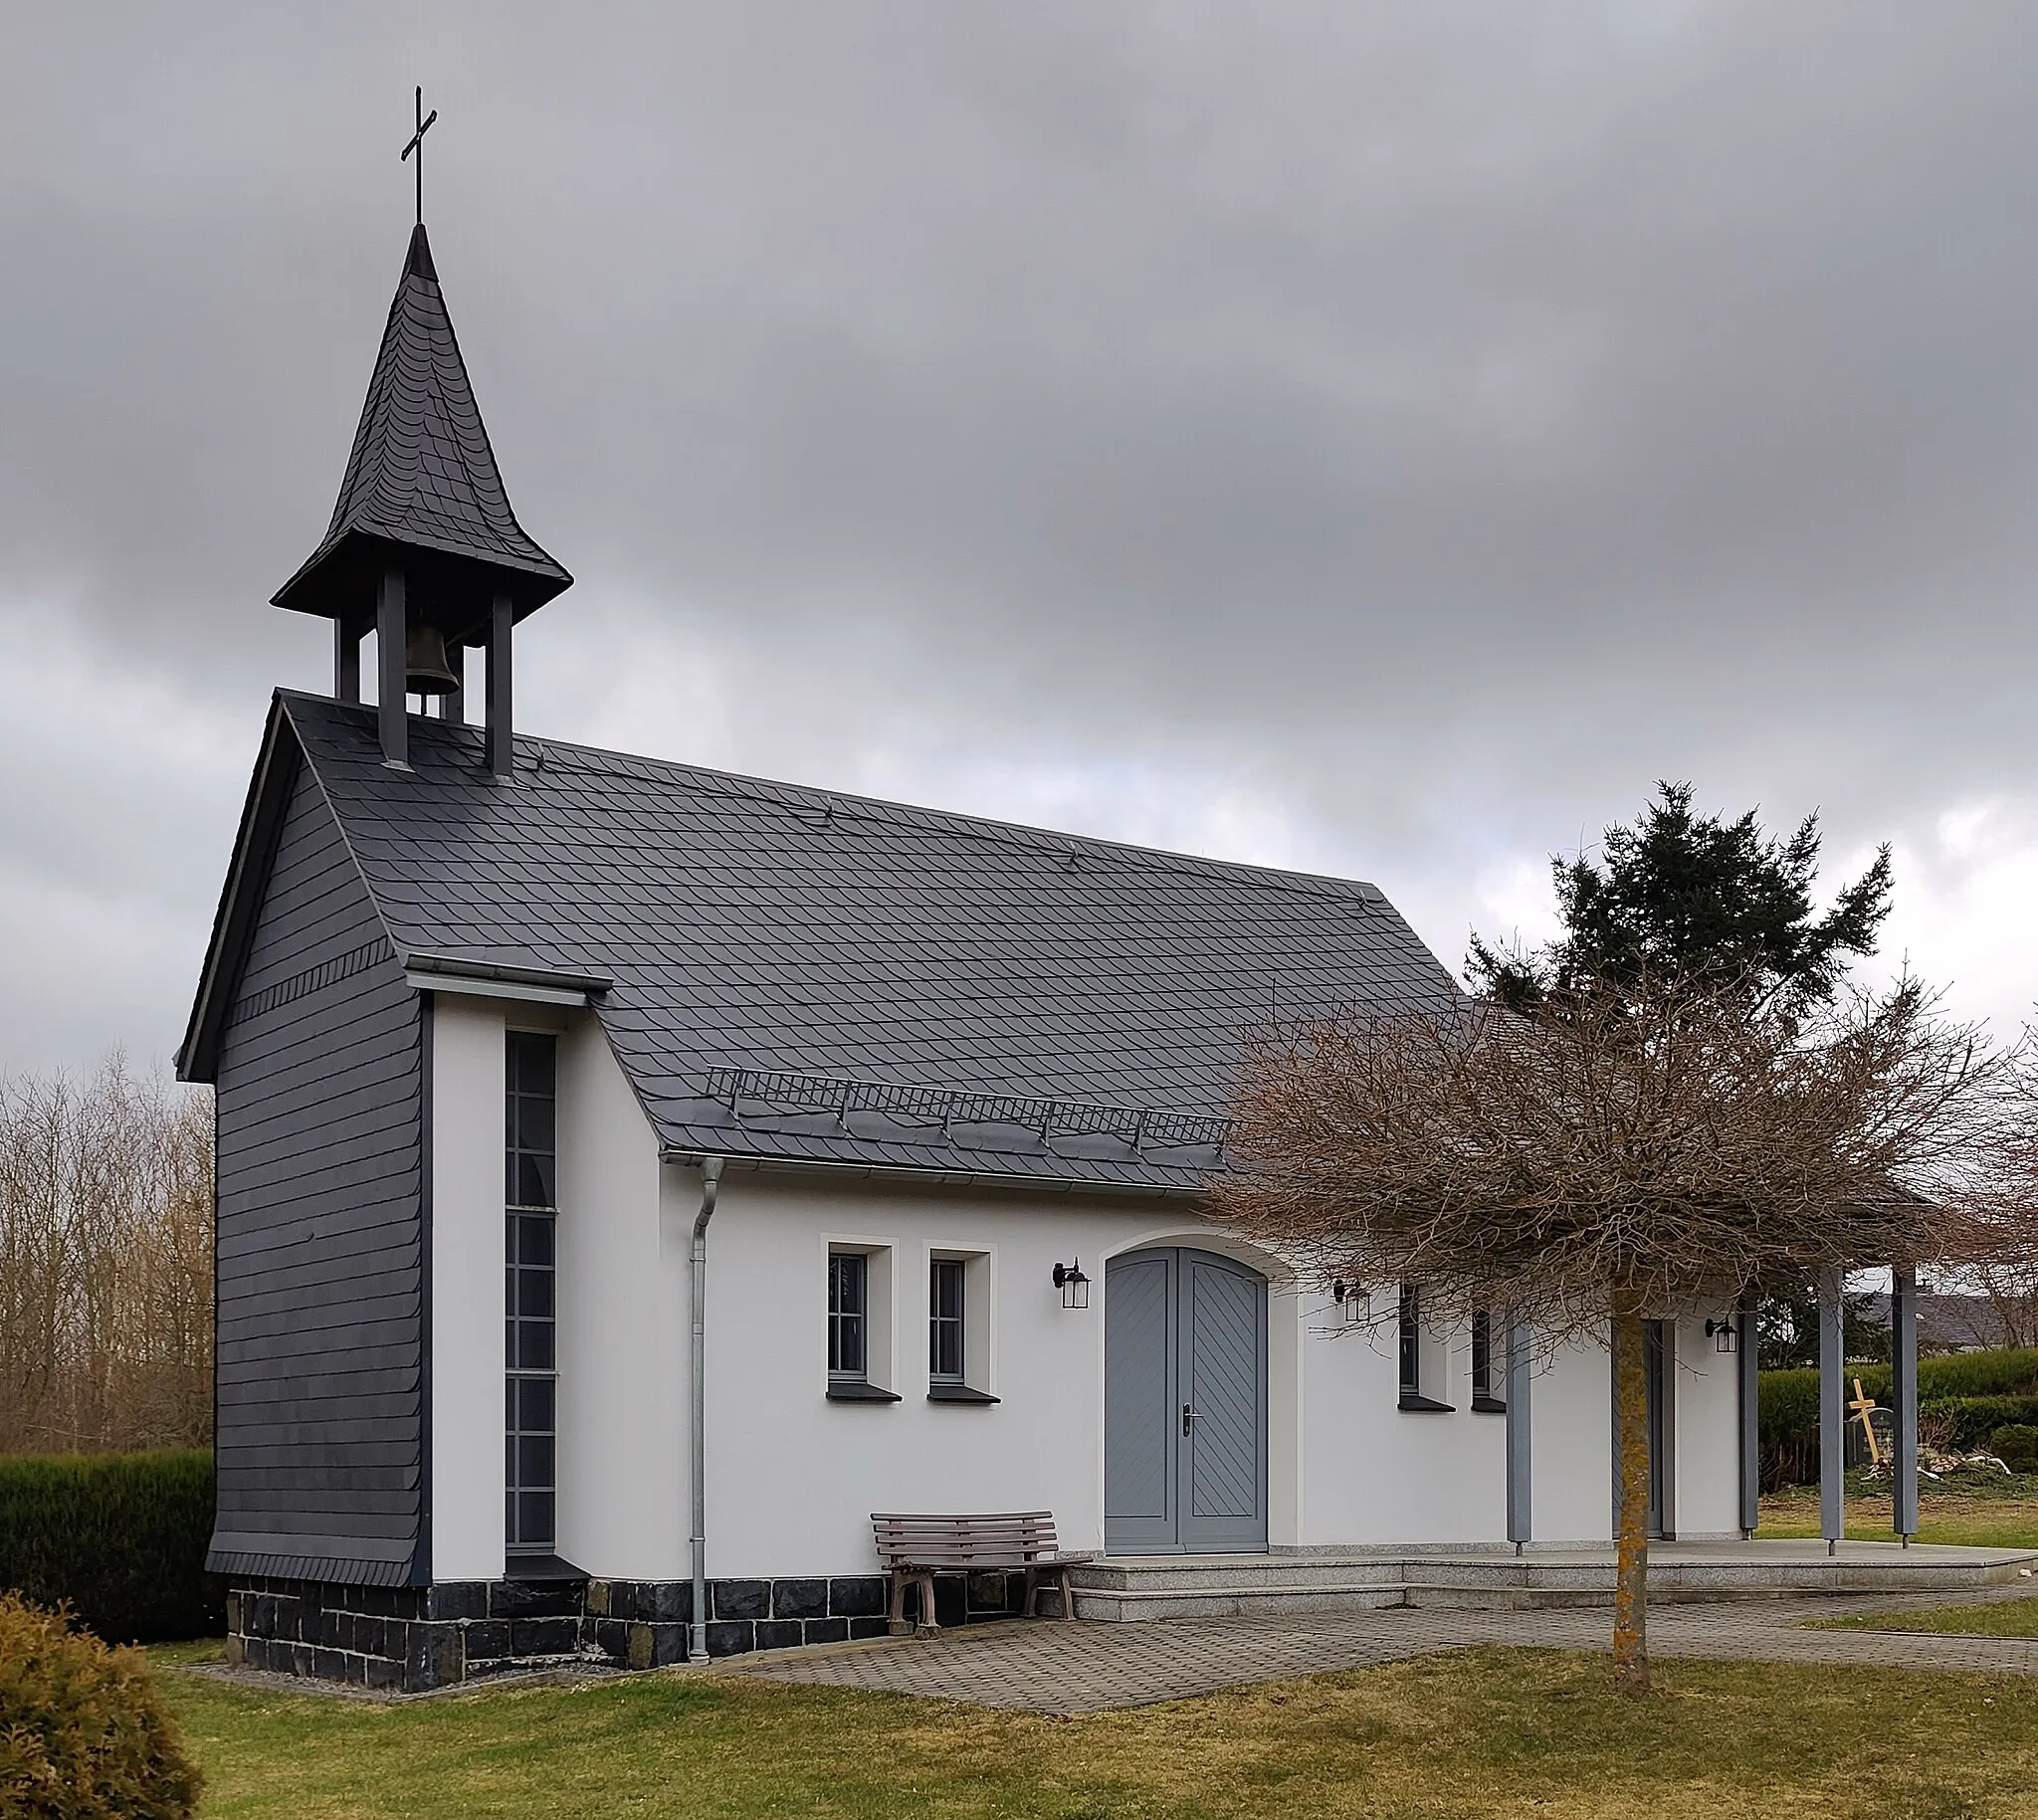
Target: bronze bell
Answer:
[[426, 670]]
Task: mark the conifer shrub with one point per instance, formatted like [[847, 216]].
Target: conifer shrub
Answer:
[[2016, 1446], [118, 1538], [83, 1733]]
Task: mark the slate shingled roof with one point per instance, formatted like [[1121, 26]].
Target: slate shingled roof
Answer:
[[422, 474], [900, 965]]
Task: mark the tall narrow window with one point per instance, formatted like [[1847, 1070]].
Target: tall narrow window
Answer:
[[1484, 1396], [531, 1259], [1409, 1334], [848, 1317], [944, 1321]]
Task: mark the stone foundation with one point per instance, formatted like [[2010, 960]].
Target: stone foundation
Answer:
[[412, 1638]]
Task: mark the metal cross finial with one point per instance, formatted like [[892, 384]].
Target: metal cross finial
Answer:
[[417, 144]]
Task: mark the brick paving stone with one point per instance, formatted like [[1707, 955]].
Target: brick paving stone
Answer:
[[1049, 1667]]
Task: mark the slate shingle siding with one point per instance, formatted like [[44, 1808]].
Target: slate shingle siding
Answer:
[[321, 1342], [769, 926]]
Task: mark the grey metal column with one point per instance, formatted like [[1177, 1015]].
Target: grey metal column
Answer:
[[346, 659], [502, 740], [1903, 1394], [392, 668], [1832, 1411], [1748, 1319], [1521, 1507]]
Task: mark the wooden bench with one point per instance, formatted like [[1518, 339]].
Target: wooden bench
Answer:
[[913, 1549]]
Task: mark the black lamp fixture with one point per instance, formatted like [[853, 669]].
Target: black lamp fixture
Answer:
[[1075, 1286], [1349, 1298], [1722, 1334]]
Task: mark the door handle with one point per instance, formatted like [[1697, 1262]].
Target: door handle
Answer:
[[1189, 1415]]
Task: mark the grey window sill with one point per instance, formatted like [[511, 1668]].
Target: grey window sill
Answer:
[[958, 1393], [1413, 1404], [856, 1390], [1488, 1405]]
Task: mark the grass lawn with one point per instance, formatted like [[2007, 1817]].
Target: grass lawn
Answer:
[[1978, 1511], [1476, 1732], [2003, 1618]]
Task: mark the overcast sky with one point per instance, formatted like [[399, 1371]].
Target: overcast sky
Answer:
[[1373, 438]]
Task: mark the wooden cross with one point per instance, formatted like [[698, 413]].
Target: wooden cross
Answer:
[[417, 144], [1861, 1406]]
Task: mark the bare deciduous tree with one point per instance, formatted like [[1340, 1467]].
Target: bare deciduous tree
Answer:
[[1630, 1153], [105, 1262]]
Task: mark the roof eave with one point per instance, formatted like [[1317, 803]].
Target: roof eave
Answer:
[[932, 1176], [330, 583], [197, 1055]]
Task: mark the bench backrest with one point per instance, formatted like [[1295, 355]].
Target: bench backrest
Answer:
[[999, 1538]]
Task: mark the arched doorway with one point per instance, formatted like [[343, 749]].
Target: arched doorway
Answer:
[[1184, 1404]]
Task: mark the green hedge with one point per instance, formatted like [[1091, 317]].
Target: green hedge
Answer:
[[1975, 1394], [118, 1537]]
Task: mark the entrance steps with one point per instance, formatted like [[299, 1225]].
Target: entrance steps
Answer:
[[1135, 1588]]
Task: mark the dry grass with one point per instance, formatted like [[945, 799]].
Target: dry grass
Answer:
[[1999, 1513], [1477, 1732], [2002, 1618]]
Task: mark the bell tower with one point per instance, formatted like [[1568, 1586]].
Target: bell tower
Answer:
[[423, 549]]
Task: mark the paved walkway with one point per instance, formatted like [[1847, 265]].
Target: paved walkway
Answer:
[[1048, 1666]]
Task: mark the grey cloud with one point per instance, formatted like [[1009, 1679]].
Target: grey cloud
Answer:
[[1446, 420]]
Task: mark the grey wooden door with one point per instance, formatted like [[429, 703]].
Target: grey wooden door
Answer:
[[1184, 1404]]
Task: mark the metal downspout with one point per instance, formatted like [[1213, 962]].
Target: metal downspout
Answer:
[[697, 1274]]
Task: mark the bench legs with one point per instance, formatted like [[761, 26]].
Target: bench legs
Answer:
[[897, 1579], [895, 1614], [1061, 1576]]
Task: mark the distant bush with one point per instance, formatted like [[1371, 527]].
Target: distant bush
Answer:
[[2016, 1446], [86, 1735], [1975, 1419], [121, 1538], [1968, 1395]]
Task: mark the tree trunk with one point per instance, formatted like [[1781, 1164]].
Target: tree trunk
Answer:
[[1631, 1538]]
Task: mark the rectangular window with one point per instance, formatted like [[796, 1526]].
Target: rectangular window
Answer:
[[944, 1321], [1482, 1355], [530, 1299], [848, 1316], [1410, 1338]]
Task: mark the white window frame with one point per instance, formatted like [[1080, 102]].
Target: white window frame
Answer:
[[881, 1349], [979, 1316]]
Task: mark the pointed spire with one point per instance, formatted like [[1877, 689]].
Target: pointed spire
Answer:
[[422, 486]]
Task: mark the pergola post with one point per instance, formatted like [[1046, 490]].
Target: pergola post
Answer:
[[1832, 1411], [1904, 1395], [1520, 1527], [1749, 1384]]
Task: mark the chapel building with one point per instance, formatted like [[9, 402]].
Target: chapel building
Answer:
[[633, 1176]]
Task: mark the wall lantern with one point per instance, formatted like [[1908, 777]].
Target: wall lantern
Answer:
[[1350, 1298], [1720, 1332], [1075, 1286]]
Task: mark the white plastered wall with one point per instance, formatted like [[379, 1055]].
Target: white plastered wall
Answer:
[[1571, 1432], [622, 1309], [1374, 1473], [1707, 1498], [466, 1477], [623, 1323], [792, 1478]]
